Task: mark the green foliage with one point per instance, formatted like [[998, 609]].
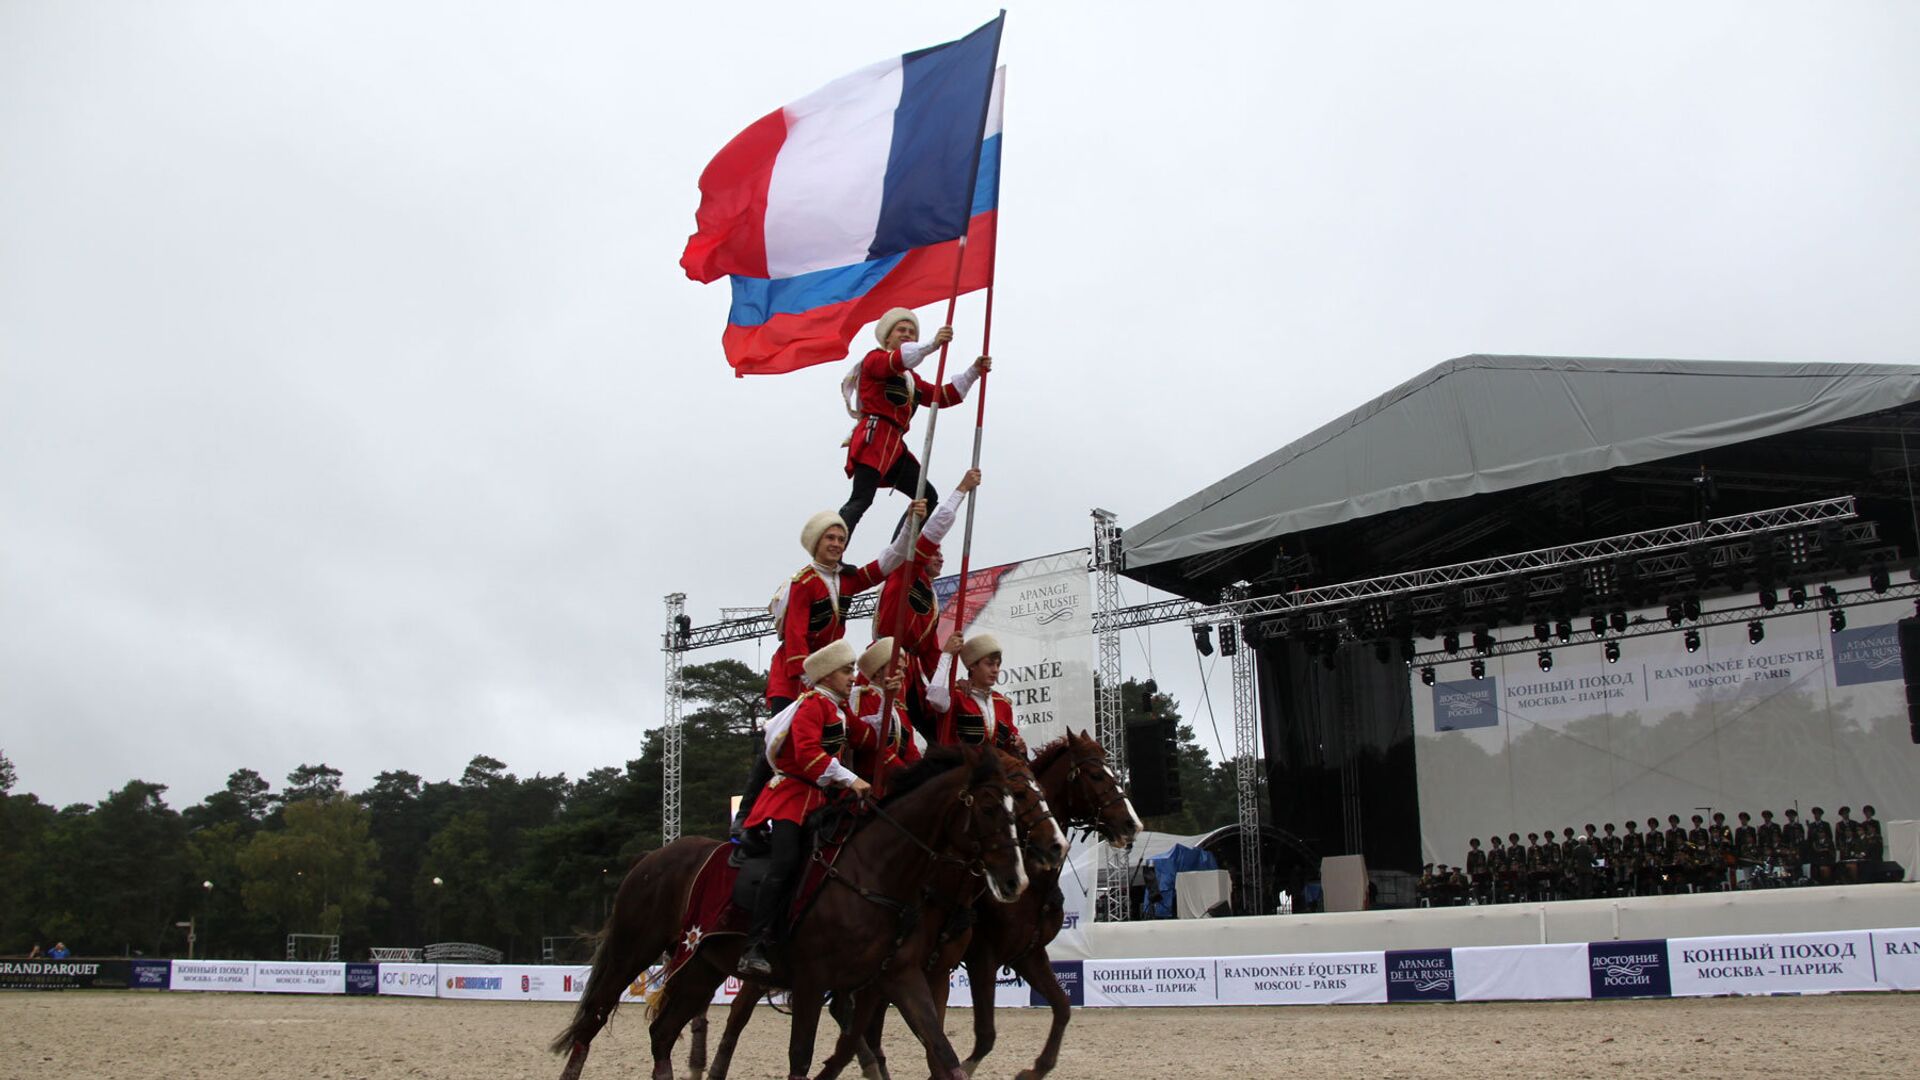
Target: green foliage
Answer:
[[315, 874]]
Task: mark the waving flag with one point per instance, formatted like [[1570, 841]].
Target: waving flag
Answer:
[[784, 324], [872, 164]]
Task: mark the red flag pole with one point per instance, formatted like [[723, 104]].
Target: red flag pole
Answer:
[[912, 566]]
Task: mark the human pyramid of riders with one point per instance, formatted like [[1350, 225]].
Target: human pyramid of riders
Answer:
[[1674, 860], [840, 718]]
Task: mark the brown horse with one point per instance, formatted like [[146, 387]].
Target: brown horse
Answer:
[[1074, 775], [937, 945], [952, 808]]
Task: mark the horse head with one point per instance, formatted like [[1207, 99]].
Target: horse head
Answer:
[[1046, 841], [1087, 791], [986, 827]]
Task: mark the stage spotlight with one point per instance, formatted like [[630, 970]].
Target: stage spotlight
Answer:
[[683, 628], [1451, 642], [1203, 638], [1617, 619], [1797, 595], [1478, 668], [1674, 614], [1426, 676], [1878, 578], [1693, 641], [1563, 630], [1229, 642], [1597, 625], [1540, 631], [1482, 641], [1406, 651], [1837, 620], [1545, 659], [1829, 596], [1690, 607], [1769, 598], [1756, 632], [1613, 652]]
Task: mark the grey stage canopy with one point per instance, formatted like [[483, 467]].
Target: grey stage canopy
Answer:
[[1483, 424]]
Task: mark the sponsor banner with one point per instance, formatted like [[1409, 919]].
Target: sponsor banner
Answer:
[[1618, 969], [553, 982], [1010, 991], [363, 979], [1420, 975], [1041, 611], [1176, 981], [1071, 979], [1314, 979], [409, 980], [1458, 706], [482, 982], [293, 977], [1772, 964], [1896, 958], [211, 975], [1865, 654], [65, 974], [1521, 972], [150, 975]]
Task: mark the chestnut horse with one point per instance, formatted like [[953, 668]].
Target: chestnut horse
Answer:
[[938, 945], [953, 808]]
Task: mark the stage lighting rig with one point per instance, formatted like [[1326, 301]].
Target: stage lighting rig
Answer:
[[1563, 630], [1482, 641], [1837, 620], [1690, 607], [1229, 644], [1617, 620], [1797, 595], [1541, 632], [1769, 598], [1478, 669], [1426, 676], [1674, 614], [1203, 638], [1829, 596], [1756, 632], [1451, 642], [1545, 659], [1612, 652], [1693, 641], [1879, 579]]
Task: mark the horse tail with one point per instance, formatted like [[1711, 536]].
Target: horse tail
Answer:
[[622, 950]]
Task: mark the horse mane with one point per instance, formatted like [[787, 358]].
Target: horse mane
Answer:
[[1044, 758], [936, 762]]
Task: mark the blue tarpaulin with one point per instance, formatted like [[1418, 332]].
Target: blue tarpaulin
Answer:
[[1176, 860]]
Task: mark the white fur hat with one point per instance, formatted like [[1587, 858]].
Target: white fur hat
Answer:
[[816, 527], [885, 326], [875, 659], [978, 647], [828, 659]]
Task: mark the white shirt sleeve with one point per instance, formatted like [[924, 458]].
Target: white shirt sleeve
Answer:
[[895, 556], [937, 695], [837, 775], [963, 380], [942, 520], [913, 352]]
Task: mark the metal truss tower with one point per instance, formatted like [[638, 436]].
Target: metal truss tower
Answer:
[[672, 643], [1246, 763], [1110, 725]]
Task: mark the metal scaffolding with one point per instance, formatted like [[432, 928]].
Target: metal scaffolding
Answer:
[[673, 643], [1246, 762], [1109, 716]]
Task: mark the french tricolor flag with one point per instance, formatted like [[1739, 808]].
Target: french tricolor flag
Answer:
[[851, 201]]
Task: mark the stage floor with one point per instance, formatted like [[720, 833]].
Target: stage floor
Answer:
[[1760, 911]]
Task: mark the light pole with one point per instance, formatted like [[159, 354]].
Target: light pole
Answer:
[[437, 883], [192, 923]]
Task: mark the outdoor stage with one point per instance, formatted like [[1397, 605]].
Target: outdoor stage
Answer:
[[1760, 911]]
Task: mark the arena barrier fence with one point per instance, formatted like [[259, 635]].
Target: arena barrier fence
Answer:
[[1807, 963]]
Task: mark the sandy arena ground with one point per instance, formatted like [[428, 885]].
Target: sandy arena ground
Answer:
[[124, 1036]]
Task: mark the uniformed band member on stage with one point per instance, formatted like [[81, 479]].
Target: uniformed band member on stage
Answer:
[[1820, 846], [882, 392], [1767, 836], [1698, 835], [1477, 875], [1676, 836], [1793, 844], [804, 744], [976, 713]]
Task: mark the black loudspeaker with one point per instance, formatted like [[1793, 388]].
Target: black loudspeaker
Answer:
[[1153, 766], [1910, 669]]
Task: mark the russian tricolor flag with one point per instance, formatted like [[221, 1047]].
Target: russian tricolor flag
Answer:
[[851, 201]]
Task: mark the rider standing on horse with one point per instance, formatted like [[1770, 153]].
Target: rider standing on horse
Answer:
[[882, 393], [976, 713], [803, 745]]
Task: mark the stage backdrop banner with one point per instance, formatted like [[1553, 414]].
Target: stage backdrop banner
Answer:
[[1175, 981], [1805, 717], [295, 977], [410, 980], [1041, 610], [211, 975], [1317, 979], [1772, 964], [1521, 972]]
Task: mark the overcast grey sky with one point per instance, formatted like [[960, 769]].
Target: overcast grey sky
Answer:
[[353, 407]]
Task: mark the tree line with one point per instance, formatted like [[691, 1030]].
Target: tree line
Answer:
[[492, 858]]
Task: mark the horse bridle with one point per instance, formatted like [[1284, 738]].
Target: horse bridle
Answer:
[[1089, 762]]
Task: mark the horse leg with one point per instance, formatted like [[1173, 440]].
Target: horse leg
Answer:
[[908, 989], [684, 999], [852, 1012], [1037, 969], [697, 1053], [876, 1069], [980, 973], [804, 1000], [621, 958], [738, 1013]]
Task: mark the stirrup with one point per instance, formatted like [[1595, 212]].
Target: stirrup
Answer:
[[754, 963]]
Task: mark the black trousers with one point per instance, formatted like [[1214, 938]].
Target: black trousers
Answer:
[[784, 842], [904, 477]]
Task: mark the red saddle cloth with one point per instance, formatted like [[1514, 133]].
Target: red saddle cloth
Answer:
[[711, 911]]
